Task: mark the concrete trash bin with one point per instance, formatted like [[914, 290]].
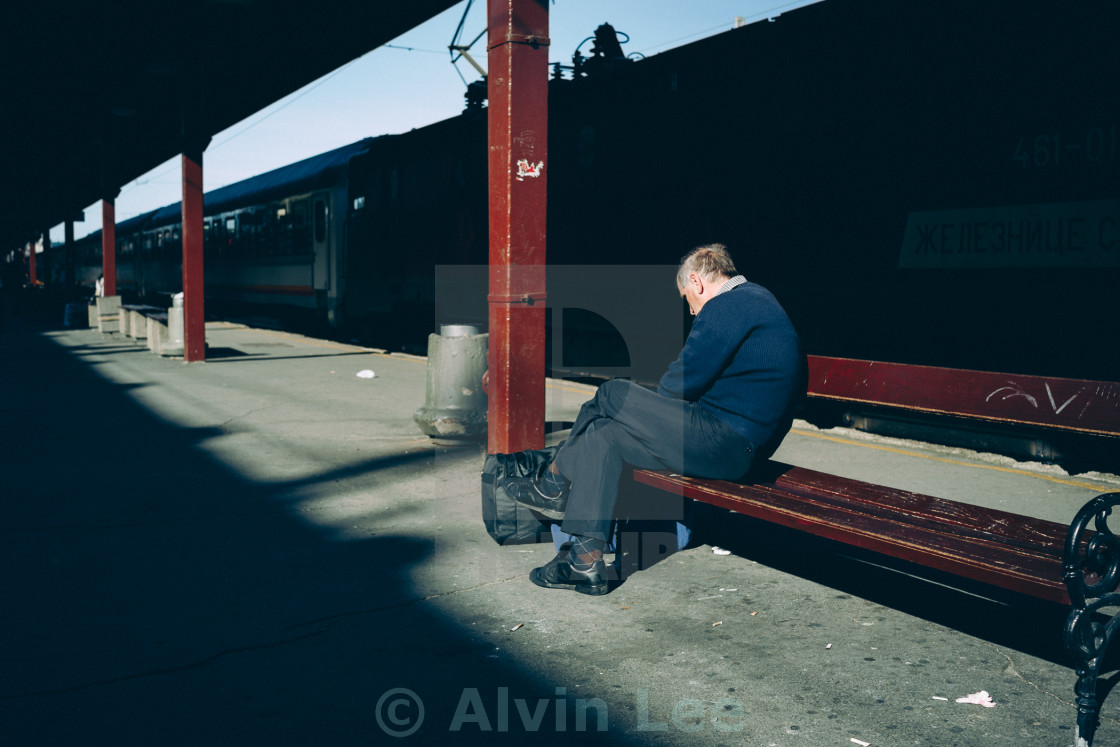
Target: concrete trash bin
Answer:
[[173, 344], [455, 404]]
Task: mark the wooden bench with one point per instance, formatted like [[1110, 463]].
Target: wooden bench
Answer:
[[1076, 565]]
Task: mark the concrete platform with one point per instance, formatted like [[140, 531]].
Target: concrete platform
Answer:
[[284, 559]]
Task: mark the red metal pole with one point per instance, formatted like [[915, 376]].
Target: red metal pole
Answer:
[[518, 134], [109, 246], [31, 274], [194, 318]]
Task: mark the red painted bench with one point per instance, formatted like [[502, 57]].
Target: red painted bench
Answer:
[[1075, 565]]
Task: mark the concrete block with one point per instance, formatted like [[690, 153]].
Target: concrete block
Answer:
[[137, 325], [157, 333], [108, 313]]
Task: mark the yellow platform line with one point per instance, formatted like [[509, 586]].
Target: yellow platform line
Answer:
[[907, 452], [580, 389]]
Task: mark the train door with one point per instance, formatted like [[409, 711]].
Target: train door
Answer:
[[321, 235]]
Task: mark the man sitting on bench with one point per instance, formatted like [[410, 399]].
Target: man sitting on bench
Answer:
[[725, 403]]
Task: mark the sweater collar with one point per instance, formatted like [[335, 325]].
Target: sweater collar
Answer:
[[734, 282]]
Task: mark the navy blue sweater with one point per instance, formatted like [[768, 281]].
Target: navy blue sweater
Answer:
[[742, 362]]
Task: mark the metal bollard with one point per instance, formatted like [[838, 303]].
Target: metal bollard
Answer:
[[455, 404]]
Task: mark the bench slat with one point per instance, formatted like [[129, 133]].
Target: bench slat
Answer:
[[905, 507], [1074, 405], [994, 547]]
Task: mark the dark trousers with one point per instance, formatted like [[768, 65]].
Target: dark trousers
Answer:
[[628, 424]]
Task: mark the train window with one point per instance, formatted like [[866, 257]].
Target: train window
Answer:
[[283, 241], [218, 234], [272, 226], [359, 202], [260, 232], [300, 226], [291, 220], [247, 234], [320, 221], [231, 224]]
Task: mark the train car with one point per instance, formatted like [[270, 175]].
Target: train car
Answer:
[[86, 257], [280, 239], [276, 241], [922, 182], [419, 202], [931, 182]]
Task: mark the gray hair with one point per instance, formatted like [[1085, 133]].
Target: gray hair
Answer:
[[708, 261]]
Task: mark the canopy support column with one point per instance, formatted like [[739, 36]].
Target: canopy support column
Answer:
[[109, 246], [194, 314], [518, 138]]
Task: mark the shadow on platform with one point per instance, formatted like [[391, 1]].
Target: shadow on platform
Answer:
[[155, 596]]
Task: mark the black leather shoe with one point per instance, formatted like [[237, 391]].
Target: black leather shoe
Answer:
[[559, 574], [526, 491]]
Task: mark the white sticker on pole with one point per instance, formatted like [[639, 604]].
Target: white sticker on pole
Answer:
[[524, 169]]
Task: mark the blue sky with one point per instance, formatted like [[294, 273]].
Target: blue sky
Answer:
[[411, 82]]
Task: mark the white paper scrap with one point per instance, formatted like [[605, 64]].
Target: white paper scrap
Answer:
[[980, 698], [366, 374]]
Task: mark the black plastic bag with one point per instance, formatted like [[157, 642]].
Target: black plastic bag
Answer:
[[507, 522]]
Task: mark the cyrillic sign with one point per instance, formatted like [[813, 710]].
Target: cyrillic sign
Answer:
[[1062, 234]]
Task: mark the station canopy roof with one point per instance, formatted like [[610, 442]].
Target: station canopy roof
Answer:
[[96, 94]]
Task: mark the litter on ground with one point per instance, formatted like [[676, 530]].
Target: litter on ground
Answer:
[[980, 698]]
